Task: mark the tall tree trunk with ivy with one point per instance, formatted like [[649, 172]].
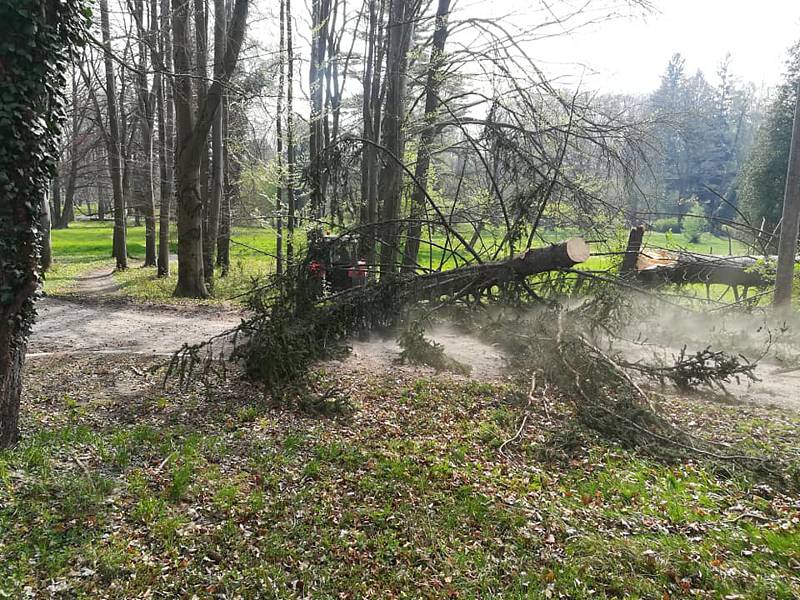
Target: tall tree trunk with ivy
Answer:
[[36, 46]]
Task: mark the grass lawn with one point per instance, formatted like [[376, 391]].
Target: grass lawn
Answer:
[[86, 246], [179, 494]]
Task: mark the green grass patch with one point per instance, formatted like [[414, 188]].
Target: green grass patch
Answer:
[[408, 497]]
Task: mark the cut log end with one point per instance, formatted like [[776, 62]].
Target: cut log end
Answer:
[[577, 250]]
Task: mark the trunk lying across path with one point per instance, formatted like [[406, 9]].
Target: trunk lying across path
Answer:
[[654, 266], [474, 278], [686, 267]]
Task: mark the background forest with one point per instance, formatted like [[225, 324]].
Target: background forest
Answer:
[[328, 120]]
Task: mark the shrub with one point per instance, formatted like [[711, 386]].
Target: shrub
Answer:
[[666, 224], [694, 223]]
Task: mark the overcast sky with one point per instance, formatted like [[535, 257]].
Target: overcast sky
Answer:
[[630, 54]]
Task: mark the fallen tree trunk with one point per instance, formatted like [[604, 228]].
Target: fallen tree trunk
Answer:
[[745, 271], [657, 266], [292, 329], [478, 277]]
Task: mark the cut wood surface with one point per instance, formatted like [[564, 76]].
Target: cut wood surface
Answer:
[[658, 266], [476, 277]]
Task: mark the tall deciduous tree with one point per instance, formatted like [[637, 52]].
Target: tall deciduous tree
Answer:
[[217, 166], [192, 134], [34, 53], [280, 188], [114, 141], [401, 24], [146, 116], [432, 86], [164, 109], [790, 217], [320, 16], [290, 204]]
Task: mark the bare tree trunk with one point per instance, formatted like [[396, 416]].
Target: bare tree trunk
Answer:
[[787, 245], [54, 203], [192, 132], [290, 220], [165, 146], [320, 13], [68, 211], [201, 76], [145, 171], [224, 236], [391, 177], [120, 252], [373, 163], [46, 260], [279, 192], [367, 149], [67, 215], [432, 85], [217, 181]]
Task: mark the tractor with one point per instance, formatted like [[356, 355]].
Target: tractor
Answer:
[[334, 264]]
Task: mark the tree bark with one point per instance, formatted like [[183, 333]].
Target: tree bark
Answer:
[[165, 144], [391, 176], [685, 267], [67, 215], [787, 244], [224, 237], [55, 198], [146, 121], [369, 109], [217, 166], [46, 260], [192, 132], [119, 250], [475, 278], [432, 86], [320, 12], [201, 77], [31, 127], [279, 191], [290, 204]]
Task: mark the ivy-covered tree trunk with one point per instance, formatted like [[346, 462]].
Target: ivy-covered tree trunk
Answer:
[[34, 48]]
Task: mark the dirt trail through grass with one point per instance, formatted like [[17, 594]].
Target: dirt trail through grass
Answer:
[[95, 319]]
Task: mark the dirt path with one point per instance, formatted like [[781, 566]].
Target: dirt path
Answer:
[[96, 319], [97, 284], [381, 354]]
